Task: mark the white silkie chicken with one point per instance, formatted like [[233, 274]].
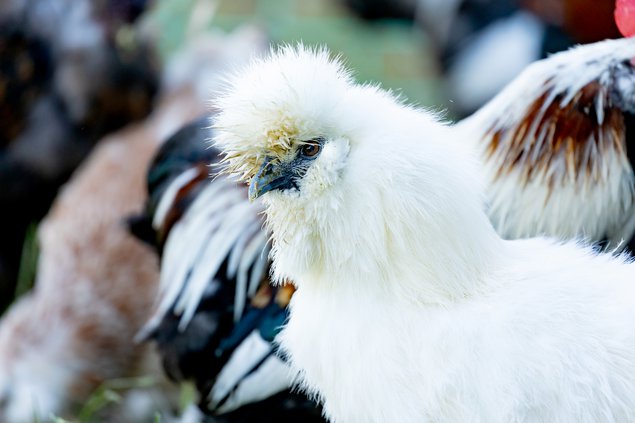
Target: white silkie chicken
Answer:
[[409, 306]]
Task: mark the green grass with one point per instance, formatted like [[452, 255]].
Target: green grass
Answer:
[[28, 262], [112, 392]]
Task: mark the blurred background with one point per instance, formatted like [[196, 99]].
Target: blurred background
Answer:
[[74, 71]]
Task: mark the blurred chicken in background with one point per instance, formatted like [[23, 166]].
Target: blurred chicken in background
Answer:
[[71, 71], [218, 314], [73, 332], [558, 147], [95, 283]]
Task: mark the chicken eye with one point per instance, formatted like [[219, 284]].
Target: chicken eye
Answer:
[[310, 149]]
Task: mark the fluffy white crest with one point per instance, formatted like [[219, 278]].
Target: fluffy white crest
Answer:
[[257, 117]]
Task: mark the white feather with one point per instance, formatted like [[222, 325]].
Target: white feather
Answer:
[[167, 199], [239, 248], [239, 384], [255, 248], [216, 251]]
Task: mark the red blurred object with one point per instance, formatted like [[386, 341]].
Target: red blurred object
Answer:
[[625, 17]]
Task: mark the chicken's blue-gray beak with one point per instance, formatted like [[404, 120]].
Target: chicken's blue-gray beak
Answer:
[[270, 176]]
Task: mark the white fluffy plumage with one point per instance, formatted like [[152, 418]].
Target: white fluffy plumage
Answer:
[[409, 306]]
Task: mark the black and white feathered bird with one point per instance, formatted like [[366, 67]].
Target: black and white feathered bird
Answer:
[[409, 306], [558, 146], [217, 314]]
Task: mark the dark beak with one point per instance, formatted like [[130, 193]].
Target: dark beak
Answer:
[[270, 176]]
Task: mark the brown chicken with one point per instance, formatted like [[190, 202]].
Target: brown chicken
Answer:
[[95, 284]]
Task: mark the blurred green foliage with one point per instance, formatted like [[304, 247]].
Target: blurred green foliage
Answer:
[[392, 52], [28, 262]]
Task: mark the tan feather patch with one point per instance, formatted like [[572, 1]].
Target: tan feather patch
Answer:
[[245, 159], [556, 142]]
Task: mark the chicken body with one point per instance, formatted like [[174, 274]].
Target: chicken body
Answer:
[[95, 284], [551, 344]]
